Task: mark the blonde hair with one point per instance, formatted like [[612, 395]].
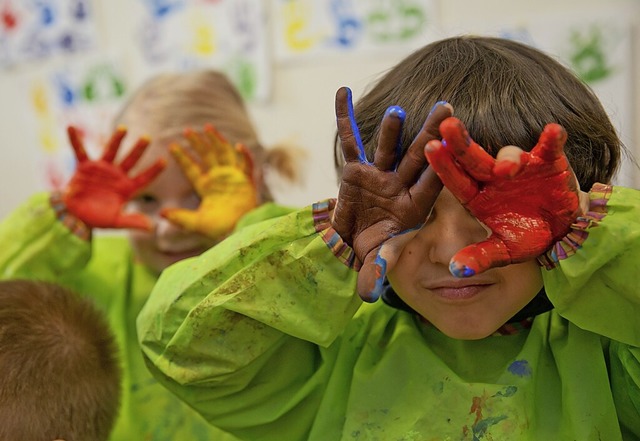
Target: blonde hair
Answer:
[[170, 102]]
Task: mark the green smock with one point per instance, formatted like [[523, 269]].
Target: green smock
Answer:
[[37, 245], [266, 338]]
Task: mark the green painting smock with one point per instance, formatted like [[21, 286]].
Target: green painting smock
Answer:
[[265, 336], [36, 245]]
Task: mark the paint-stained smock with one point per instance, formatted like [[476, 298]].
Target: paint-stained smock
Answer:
[[266, 337], [37, 245]]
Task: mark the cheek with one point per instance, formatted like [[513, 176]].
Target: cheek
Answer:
[[140, 240]]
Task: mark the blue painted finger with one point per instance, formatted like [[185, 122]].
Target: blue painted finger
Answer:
[[355, 130]]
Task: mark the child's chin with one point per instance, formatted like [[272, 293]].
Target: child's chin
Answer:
[[468, 331]]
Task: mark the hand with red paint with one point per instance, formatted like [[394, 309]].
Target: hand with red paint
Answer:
[[99, 189], [527, 199], [222, 175], [379, 201]]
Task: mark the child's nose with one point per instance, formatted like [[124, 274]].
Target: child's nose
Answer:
[[167, 231], [450, 231]]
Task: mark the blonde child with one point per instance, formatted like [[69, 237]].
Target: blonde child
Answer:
[[167, 215], [267, 338]]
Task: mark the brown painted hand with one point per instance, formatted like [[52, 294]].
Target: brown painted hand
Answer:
[[379, 201]]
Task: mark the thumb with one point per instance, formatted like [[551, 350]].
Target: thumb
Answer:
[[133, 220], [187, 219], [378, 263]]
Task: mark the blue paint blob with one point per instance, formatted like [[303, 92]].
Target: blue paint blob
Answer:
[[439, 103], [396, 111], [520, 368], [462, 271]]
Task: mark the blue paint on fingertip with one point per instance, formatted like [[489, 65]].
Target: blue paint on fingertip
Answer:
[[439, 103], [462, 271], [396, 111]]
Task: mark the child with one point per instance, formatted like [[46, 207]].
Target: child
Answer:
[[51, 237], [59, 372], [266, 337]]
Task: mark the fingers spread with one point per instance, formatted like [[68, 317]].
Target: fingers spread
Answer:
[[426, 190], [219, 150], [348, 131], [111, 149], [389, 145], [551, 143], [134, 155], [413, 161], [149, 174], [187, 163], [450, 172], [476, 162], [76, 144]]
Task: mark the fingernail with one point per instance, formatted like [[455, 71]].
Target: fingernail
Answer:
[[439, 103], [461, 271], [396, 111]]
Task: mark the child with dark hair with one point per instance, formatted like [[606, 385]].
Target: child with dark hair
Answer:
[[59, 367], [505, 259]]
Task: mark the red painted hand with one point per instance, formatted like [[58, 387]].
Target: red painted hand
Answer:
[[99, 189], [380, 201], [527, 199]]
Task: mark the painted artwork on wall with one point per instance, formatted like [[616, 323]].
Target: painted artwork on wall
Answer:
[[313, 29], [39, 29], [86, 94], [230, 35]]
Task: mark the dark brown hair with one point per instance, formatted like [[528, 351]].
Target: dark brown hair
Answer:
[[505, 92], [59, 373]]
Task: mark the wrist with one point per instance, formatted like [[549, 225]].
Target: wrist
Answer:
[[595, 211], [73, 224]]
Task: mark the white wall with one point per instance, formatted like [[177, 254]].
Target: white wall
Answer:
[[302, 106]]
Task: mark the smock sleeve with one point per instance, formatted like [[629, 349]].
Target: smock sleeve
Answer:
[[41, 240], [594, 282], [594, 272], [239, 332]]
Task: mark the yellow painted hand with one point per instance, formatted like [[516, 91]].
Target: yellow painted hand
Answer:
[[223, 178]]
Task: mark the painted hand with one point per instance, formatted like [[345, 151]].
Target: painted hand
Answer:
[[527, 199], [378, 202], [223, 178], [99, 189]]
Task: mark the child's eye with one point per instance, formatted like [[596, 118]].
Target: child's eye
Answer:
[[145, 203], [146, 199]]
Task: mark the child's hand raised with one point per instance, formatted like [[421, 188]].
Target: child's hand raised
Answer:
[[99, 189], [527, 199], [222, 177], [379, 201]]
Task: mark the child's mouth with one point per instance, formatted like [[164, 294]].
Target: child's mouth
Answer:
[[459, 292]]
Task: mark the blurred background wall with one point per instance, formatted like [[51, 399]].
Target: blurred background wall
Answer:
[[75, 61]]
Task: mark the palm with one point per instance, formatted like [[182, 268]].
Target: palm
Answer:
[[99, 189], [380, 200], [528, 204], [223, 178]]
